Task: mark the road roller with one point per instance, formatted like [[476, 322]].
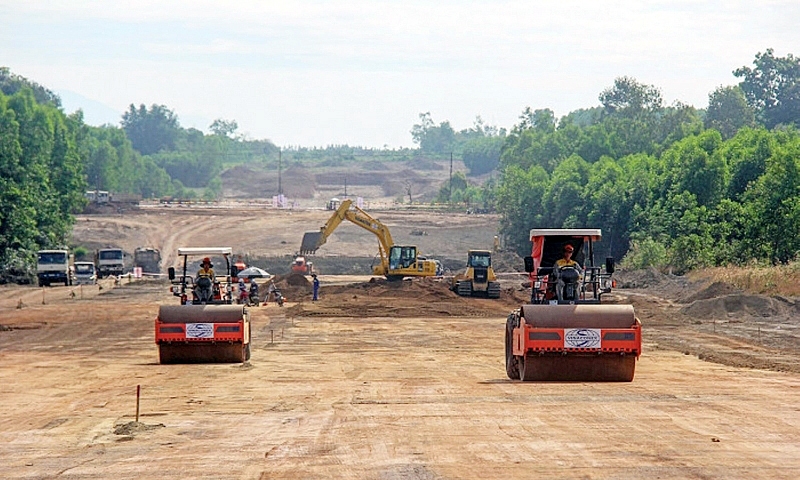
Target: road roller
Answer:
[[565, 333], [206, 327]]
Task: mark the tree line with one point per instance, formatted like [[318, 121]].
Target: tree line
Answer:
[[671, 186]]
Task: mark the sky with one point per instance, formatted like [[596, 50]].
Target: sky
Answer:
[[359, 72]]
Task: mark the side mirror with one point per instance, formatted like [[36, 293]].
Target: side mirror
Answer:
[[609, 265], [528, 264], [171, 273], [234, 271]]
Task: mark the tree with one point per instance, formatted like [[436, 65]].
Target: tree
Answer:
[[728, 111], [11, 83], [482, 155], [431, 138], [772, 88], [630, 97], [224, 128], [151, 131]]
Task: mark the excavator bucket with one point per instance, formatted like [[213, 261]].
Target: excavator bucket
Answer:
[[311, 242], [577, 343], [203, 334]]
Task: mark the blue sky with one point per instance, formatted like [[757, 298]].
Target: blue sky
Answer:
[[316, 73]]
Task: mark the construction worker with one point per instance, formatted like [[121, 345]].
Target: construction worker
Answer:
[[315, 283], [204, 281], [566, 260], [270, 291]]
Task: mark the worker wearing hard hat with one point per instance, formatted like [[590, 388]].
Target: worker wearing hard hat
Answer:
[[205, 281], [566, 260]]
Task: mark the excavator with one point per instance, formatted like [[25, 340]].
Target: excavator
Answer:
[[396, 261]]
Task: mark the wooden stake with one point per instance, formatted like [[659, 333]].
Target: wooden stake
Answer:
[[138, 390], [43, 296], [272, 336]]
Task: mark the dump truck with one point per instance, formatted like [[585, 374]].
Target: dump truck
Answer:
[[203, 328], [109, 261], [478, 279], [396, 261], [148, 259], [55, 266], [565, 332]]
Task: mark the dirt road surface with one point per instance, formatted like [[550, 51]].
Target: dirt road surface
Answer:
[[373, 382], [382, 381]]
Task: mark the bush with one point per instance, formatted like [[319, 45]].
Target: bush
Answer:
[[645, 253]]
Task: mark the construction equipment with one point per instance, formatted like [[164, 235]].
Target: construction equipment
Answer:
[[302, 266], [109, 261], [479, 278], [566, 333], [85, 273], [396, 261], [55, 266], [214, 331], [148, 259]]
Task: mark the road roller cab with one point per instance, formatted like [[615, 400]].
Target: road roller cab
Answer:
[[565, 333], [205, 327]]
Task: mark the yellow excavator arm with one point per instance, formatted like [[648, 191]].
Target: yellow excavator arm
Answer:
[[407, 262], [313, 240]]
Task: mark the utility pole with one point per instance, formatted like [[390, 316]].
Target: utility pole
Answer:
[[280, 187], [345, 186], [450, 188]]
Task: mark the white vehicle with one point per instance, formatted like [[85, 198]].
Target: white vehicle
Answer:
[[85, 273], [109, 261], [54, 266]]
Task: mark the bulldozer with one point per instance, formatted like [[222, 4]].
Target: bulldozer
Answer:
[[396, 261], [566, 333], [302, 266], [479, 278], [205, 327]]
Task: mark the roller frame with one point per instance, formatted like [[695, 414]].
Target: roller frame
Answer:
[[228, 337], [540, 353]]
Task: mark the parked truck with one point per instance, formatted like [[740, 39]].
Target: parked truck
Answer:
[[148, 259], [54, 266], [109, 261]]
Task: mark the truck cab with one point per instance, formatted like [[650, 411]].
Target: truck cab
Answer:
[[85, 273], [109, 261], [54, 266]]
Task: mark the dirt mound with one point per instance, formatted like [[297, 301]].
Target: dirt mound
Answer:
[[246, 181], [716, 289], [507, 261], [132, 428], [670, 286], [737, 306], [421, 297], [423, 164]]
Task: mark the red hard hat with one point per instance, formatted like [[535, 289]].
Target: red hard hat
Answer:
[[568, 248], [206, 260]]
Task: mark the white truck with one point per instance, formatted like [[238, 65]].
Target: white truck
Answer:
[[109, 261], [55, 266], [85, 273]]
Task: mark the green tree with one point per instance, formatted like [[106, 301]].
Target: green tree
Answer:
[[482, 154], [151, 130], [432, 138], [772, 88], [224, 128], [728, 111]]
